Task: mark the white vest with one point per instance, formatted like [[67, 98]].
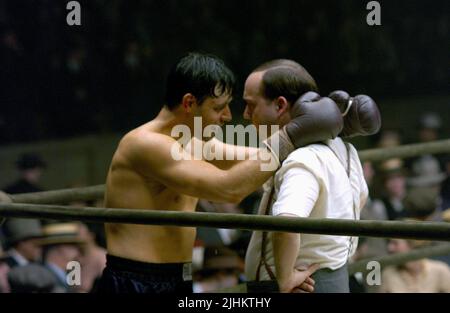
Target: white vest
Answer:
[[339, 197]]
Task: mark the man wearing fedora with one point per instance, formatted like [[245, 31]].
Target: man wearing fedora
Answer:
[[31, 168], [61, 244], [393, 175], [21, 240]]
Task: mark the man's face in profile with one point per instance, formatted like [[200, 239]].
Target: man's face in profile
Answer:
[[215, 110], [258, 109]]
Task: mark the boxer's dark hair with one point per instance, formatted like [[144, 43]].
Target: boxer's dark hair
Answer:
[[202, 75], [285, 78]]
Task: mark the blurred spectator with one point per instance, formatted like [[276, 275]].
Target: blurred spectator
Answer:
[[389, 138], [430, 124], [416, 276], [222, 268], [31, 168], [394, 189], [233, 238], [426, 172], [425, 201], [217, 236], [62, 244], [33, 278], [22, 244], [93, 259], [445, 187], [22, 241], [421, 203], [429, 128]]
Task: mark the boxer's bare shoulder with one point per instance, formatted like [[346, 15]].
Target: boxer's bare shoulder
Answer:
[[137, 166], [132, 183]]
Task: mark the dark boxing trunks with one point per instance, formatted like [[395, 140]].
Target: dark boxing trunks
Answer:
[[127, 276]]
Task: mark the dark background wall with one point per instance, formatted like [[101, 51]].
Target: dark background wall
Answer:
[[107, 75]]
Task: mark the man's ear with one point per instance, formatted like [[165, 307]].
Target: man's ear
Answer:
[[282, 106], [188, 101]]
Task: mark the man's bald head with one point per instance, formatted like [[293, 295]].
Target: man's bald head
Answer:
[[272, 88], [287, 78]]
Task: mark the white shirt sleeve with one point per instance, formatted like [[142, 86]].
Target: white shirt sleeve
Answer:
[[298, 193]]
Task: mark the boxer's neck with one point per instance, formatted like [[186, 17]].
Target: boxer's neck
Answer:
[[167, 119]]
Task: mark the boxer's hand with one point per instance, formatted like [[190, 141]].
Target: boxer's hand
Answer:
[[306, 287], [299, 280], [4, 198], [313, 119], [361, 114]]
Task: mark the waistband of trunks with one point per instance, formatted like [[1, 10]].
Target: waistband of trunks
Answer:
[[172, 269]]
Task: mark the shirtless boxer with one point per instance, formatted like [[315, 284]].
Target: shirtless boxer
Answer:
[[144, 175]]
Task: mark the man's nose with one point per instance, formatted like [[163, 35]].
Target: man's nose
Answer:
[[226, 116], [247, 115]]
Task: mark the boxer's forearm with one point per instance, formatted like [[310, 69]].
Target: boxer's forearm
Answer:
[[155, 158], [285, 248], [245, 177], [224, 156]]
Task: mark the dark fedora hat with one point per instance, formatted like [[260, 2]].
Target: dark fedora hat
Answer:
[[16, 230], [29, 161]]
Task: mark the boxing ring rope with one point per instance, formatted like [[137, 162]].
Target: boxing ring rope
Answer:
[[97, 192], [401, 258], [61, 196], [405, 151], [439, 231]]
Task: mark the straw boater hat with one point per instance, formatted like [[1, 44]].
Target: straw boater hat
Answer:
[[392, 168], [61, 233]]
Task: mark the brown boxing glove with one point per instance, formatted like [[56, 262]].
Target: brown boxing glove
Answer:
[[313, 119], [361, 114]]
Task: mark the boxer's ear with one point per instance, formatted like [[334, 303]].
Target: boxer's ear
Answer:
[[188, 101]]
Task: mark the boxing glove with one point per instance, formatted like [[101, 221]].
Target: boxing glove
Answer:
[[313, 119], [360, 113]]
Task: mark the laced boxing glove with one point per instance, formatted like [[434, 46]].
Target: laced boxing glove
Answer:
[[361, 114], [313, 119]]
